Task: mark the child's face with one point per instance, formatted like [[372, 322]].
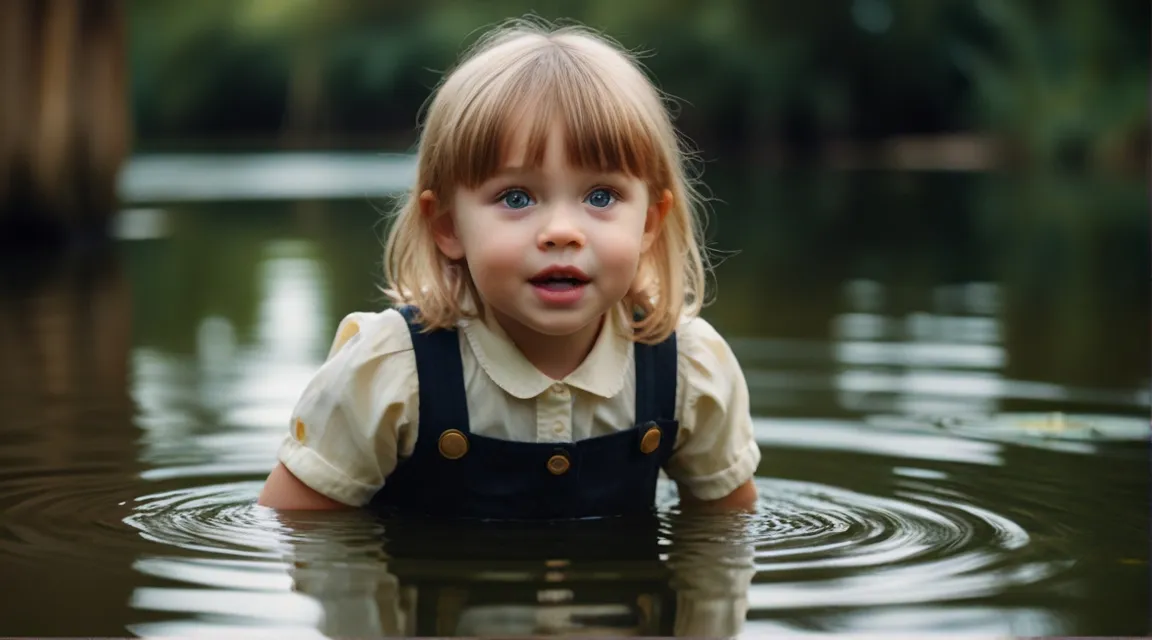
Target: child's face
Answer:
[[551, 248]]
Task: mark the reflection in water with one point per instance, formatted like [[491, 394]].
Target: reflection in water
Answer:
[[291, 336], [951, 434], [69, 454], [236, 392], [652, 576], [922, 363], [292, 296], [65, 332], [588, 578]]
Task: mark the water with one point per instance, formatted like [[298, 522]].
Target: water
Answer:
[[949, 376]]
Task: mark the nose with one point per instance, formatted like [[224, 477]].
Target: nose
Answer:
[[560, 231]]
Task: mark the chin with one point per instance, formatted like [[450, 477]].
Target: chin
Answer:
[[560, 321], [561, 326]]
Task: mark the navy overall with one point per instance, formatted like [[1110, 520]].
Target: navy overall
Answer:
[[454, 472]]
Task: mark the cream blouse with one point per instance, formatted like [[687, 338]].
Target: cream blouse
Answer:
[[360, 413]]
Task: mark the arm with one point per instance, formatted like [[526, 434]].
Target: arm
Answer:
[[716, 454], [742, 498], [285, 491], [346, 428]]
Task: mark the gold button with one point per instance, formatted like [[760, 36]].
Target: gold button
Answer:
[[453, 444], [558, 464], [651, 440]]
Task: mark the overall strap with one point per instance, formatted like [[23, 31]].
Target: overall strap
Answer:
[[656, 380], [440, 371]]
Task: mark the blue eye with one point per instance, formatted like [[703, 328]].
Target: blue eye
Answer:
[[600, 198], [516, 199]]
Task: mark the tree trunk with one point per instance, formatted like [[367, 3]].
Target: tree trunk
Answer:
[[65, 127]]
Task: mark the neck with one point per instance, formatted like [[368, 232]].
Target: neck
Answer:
[[554, 356]]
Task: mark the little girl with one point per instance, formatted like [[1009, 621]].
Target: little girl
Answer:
[[545, 359]]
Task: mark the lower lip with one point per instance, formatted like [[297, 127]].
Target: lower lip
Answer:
[[559, 296]]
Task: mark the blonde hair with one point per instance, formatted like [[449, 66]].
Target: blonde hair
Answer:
[[614, 120]]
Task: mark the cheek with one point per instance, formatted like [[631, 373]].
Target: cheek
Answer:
[[493, 255], [620, 253]]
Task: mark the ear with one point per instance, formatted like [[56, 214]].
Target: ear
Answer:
[[654, 221], [442, 225]]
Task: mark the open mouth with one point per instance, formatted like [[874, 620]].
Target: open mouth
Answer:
[[560, 279]]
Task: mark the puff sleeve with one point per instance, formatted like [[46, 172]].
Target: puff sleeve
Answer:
[[716, 450], [359, 413]]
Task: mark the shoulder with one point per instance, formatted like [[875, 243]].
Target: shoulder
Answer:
[[372, 334], [371, 353], [704, 356], [708, 372]]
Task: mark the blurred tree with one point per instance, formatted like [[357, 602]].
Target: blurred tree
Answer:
[[754, 76], [1065, 80], [65, 128]]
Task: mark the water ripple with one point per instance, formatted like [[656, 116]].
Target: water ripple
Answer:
[[899, 532], [819, 546], [808, 545]]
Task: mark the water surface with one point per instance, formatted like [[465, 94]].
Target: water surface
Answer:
[[949, 375]]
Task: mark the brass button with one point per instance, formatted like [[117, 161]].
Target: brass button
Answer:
[[651, 440], [558, 464], [453, 444]]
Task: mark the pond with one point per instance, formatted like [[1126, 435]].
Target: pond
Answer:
[[949, 374]]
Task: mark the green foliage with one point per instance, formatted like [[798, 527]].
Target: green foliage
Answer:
[[1062, 81], [1067, 79]]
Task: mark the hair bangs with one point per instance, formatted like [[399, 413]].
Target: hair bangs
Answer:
[[605, 124], [607, 130]]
